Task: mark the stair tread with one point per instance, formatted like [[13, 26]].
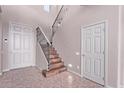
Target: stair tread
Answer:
[[54, 72], [55, 66], [55, 58], [54, 54], [56, 62]]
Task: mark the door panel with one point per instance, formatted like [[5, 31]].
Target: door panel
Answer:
[[16, 60], [21, 46], [16, 41], [88, 65], [88, 44], [26, 42], [97, 44], [93, 52], [97, 66]]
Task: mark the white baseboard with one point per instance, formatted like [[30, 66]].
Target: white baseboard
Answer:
[[39, 68], [107, 86], [74, 73], [33, 65], [5, 70], [121, 86]]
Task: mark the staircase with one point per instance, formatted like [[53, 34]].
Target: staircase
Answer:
[[55, 63]]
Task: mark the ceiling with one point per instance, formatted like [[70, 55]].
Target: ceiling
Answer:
[[29, 14]]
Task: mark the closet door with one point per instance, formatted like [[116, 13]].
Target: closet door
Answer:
[[21, 46], [93, 44]]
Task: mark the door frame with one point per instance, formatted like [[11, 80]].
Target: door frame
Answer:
[[9, 38], [106, 50]]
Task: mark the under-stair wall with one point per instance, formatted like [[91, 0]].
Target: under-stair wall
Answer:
[[41, 61]]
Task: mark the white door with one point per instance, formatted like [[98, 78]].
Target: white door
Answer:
[[93, 47], [21, 46]]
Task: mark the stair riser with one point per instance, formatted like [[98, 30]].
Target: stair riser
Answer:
[[52, 48], [48, 74], [49, 48], [54, 66], [53, 56], [51, 52], [55, 60]]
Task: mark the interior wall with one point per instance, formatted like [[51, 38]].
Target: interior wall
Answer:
[[31, 15], [0, 45], [122, 49], [9, 15], [41, 61], [68, 38]]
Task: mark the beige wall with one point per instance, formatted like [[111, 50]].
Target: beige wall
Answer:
[[122, 49], [0, 44], [41, 61], [30, 15], [67, 39]]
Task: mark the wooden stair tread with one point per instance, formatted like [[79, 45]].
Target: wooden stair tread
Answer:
[[56, 66], [54, 72], [53, 56], [58, 58], [55, 62]]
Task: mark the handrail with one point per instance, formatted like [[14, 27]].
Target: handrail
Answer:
[[44, 35], [57, 16], [43, 42]]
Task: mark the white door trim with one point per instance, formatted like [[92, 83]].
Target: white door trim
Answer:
[[119, 47], [106, 50], [34, 42]]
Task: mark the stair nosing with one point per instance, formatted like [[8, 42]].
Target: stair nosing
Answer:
[[55, 62], [57, 68]]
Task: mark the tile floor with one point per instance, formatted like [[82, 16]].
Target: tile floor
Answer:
[[31, 77]]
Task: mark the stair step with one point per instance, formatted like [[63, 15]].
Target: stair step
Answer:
[[52, 48], [51, 52], [53, 56], [49, 49], [54, 60], [54, 72], [55, 65]]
